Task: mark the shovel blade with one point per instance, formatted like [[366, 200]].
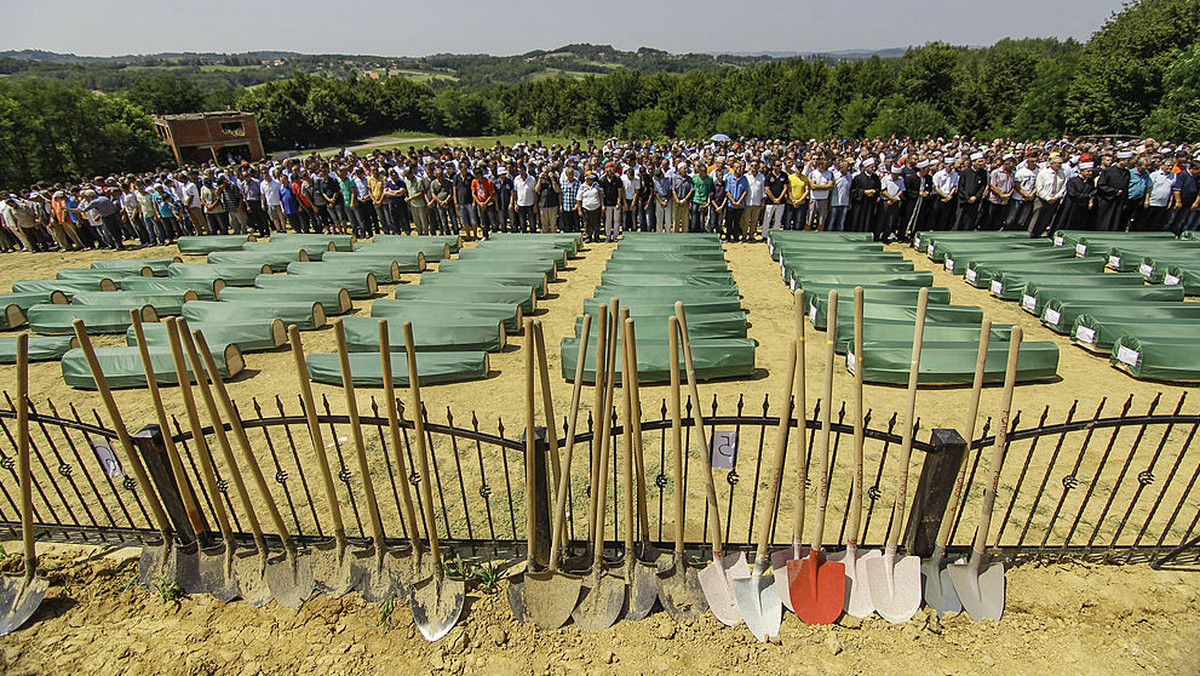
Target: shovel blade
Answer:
[[20, 598], [714, 581], [642, 582], [779, 564], [185, 562], [680, 593], [290, 579], [550, 598], [152, 563], [436, 603], [818, 589], [982, 594], [251, 570], [858, 592], [758, 600], [601, 602], [895, 586], [375, 580], [939, 588], [216, 573], [333, 574]]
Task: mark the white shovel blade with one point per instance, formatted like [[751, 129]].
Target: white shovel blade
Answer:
[[982, 596], [758, 600], [714, 580], [895, 586], [779, 561], [858, 592], [939, 590]]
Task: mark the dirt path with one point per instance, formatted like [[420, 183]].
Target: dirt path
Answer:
[[382, 141]]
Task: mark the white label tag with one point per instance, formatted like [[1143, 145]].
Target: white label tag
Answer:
[[1127, 356], [107, 457], [1051, 317], [997, 287], [1081, 249], [929, 249], [917, 243], [851, 362], [771, 246], [950, 264], [1029, 302], [1146, 269], [1085, 335], [1114, 261], [1058, 240], [793, 283], [1171, 279], [812, 314], [972, 275], [723, 449]]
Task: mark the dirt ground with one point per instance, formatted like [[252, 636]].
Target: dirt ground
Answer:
[[1071, 618]]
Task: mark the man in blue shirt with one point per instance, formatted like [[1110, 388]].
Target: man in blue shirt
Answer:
[[1184, 199], [1139, 181], [736, 188]]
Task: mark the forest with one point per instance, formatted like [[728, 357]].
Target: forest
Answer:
[[1139, 74]]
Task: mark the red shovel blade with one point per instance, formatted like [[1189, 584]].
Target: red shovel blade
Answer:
[[817, 588]]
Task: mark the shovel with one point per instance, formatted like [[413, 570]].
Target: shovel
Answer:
[[289, 577], [895, 582], [714, 578], [678, 587], [215, 572], [248, 568], [818, 588], [551, 595], [939, 591], [381, 573], [603, 595], [437, 600], [641, 577], [516, 581], [155, 561], [858, 594], [782, 559], [980, 587], [333, 568], [758, 597], [21, 595], [406, 567]]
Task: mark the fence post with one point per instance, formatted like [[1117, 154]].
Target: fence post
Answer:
[[938, 474], [149, 442], [541, 500]]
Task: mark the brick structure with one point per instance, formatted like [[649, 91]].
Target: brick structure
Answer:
[[219, 135]]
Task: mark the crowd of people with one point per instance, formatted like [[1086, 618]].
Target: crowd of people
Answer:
[[738, 188]]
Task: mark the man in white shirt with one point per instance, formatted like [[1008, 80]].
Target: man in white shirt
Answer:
[[272, 200], [945, 184], [632, 184], [523, 200], [754, 199], [195, 211], [891, 187], [1158, 196], [820, 179], [1021, 200], [1049, 188]]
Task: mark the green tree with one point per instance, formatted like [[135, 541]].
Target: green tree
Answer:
[[645, 124], [927, 74], [166, 94], [1178, 116]]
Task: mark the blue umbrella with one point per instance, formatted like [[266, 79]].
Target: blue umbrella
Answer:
[[719, 137]]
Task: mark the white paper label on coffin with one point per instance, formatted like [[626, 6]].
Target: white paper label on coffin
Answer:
[[1081, 249], [1146, 269], [1114, 261], [917, 243], [1029, 302], [929, 249], [1085, 335], [950, 264], [1171, 279], [1058, 240], [1127, 356], [812, 314], [972, 275], [1051, 317], [997, 287], [851, 361], [771, 246], [793, 283]]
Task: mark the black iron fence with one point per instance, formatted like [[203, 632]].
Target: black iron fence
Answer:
[[1113, 482]]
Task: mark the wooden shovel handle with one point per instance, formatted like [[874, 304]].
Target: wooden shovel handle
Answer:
[[315, 434], [781, 438], [360, 446], [598, 382], [414, 387], [23, 471], [530, 446], [389, 395], [676, 432], [856, 505], [989, 493], [826, 422], [914, 368], [601, 479], [564, 481], [801, 407], [985, 330], [639, 462], [539, 340], [710, 489]]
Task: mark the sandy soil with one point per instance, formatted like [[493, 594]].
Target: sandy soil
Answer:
[[1075, 618]]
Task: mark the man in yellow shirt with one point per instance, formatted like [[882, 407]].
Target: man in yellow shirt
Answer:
[[375, 186], [795, 215]]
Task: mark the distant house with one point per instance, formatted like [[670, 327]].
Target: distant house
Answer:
[[220, 135]]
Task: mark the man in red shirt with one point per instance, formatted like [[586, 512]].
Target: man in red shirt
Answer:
[[483, 192]]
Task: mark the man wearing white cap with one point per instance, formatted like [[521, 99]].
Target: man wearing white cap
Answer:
[[1081, 188], [945, 185], [891, 187], [1112, 186], [1049, 189], [864, 196], [972, 185]]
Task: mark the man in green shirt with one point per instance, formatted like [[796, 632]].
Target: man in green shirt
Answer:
[[702, 185], [418, 187]]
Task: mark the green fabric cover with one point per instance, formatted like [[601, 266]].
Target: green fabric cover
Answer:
[[1171, 359], [674, 256], [366, 369], [570, 248], [1036, 297], [431, 333], [1060, 316], [453, 241], [981, 275], [1097, 243], [278, 259], [433, 252], [72, 274], [122, 366], [97, 319], [669, 267], [712, 237], [666, 279], [1128, 257], [1098, 333], [1187, 277], [203, 244], [842, 248], [449, 310], [204, 289], [360, 285], [315, 252], [163, 303], [1011, 285], [233, 275], [1192, 235], [938, 295], [302, 314], [493, 294], [28, 300], [668, 246], [41, 348], [921, 238], [671, 293], [1069, 238], [67, 288], [385, 271], [894, 309], [900, 330], [134, 266], [407, 262], [335, 301], [556, 257], [887, 363], [1155, 268], [700, 324], [526, 281], [249, 336], [813, 269], [959, 264], [666, 305], [340, 242], [936, 248], [713, 358], [487, 266], [848, 278], [573, 241]]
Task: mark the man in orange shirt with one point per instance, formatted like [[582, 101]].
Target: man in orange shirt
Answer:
[[483, 192]]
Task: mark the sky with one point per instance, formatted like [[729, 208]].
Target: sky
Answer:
[[423, 27]]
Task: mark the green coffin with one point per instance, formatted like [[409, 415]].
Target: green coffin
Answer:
[[65, 287], [360, 286], [671, 267], [72, 274], [813, 269], [848, 278], [385, 271], [1098, 332], [555, 257], [666, 279], [431, 333], [887, 363], [405, 262], [524, 296], [340, 242], [1173, 360], [122, 366], [567, 248], [249, 336], [233, 275], [631, 235], [1155, 268], [450, 310], [97, 319], [1128, 257], [668, 245], [1187, 277], [366, 369], [1098, 243], [475, 266], [134, 266], [41, 348], [452, 241], [922, 238], [937, 247], [204, 290], [433, 253], [1060, 315], [14, 305], [1011, 285], [278, 260], [666, 306], [163, 303], [312, 252], [700, 325], [713, 358], [938, 295], [557, 239], [335, 301], [832, 247], [672, 293], [959, 264], [901, 330], [203, 244], [1037, 296], [985, 273], [307, 316], [818, 312], [527, 283]]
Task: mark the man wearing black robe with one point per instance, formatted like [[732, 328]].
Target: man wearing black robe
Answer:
[[1076, 211], [972, 186], [1111, 188], [864, 196]]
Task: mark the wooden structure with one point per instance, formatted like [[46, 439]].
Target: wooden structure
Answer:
[[225, 136]]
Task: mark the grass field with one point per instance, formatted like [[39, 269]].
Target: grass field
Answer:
[[406, 140]]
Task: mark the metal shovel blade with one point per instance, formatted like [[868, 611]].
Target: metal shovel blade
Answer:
[[714, 581], [251, 570], [152, 562], [858, 592], [779, 564], [19, 599], [550, 598], [216, 573], [376, 580], [185, 561], [601, 602], [939, 590], [290, 579], [680, 593], [515, 592], [817, 588], [333, 574], [642, 582], [758, 600], [437, 603], [981, 592], [895, 584]]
